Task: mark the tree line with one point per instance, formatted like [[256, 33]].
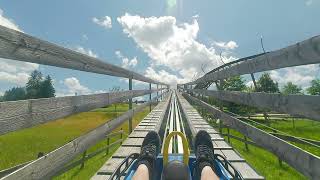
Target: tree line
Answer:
[[36, 87], [264, 84]]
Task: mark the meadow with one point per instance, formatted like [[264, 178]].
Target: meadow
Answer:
[[266, 163], [25, 145]]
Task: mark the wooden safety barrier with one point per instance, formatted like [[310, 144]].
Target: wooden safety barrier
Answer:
[[306, 163]]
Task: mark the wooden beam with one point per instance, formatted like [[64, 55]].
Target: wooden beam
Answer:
[[296, 105], [305, 162], [15, 115], [301, 53], [22, 47]]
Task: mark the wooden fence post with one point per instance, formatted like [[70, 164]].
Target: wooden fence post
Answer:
[[121, 136], [228, 134], [83, 159], [130, 106], [245, 143], [293, 124], [220, 126], [150, 97], [280, 162], [157, 93], [108, 142]]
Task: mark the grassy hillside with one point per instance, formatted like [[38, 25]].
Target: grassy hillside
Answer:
[[24, 145]]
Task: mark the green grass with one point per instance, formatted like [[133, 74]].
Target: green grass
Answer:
[[24, 145], [266, 163], [94, 164], [263, 161], [120, 107]]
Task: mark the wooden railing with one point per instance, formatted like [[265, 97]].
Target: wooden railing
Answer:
[[16, 115], [302, 53], [306, 163]]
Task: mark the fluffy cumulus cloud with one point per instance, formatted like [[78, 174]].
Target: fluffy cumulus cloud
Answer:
[[173, 45], [104, 22], [226, 45], [126, 62], [88, 52], [300, 75], [4, 21], [14, 72], [74, 87]]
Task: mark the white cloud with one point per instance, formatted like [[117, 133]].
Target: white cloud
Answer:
[[19, 79], [171, 45], [308, 2], [104, 22], [126, 62], [300, 75], [226, 45], [9, 23], [88, 52], [16, 72], [164, 76], [74, 86]]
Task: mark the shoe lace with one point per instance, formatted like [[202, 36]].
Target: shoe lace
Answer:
[[149, 149], [204, 152]]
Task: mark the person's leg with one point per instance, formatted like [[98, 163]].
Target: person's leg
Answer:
[[204, 156], [208, 174], [146, 162], [142, 172]]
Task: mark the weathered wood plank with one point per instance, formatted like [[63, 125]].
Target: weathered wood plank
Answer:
[[48, 165], [301, 53], [246, 171], [15, 115], [306, 163], [22, 47], [302, 105]]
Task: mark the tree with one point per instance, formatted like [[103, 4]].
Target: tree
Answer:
[[291, 88], [315, 87], [46, 89], [266, 84], [34, 84], [235, 83], [14, 94]]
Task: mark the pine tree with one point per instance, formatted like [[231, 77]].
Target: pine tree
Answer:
[[14, 94], [46, 89], [34, 84], [315, 87], [266, 84], [291, 88]]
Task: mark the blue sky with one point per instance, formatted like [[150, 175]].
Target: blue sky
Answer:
[[170, 40]]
